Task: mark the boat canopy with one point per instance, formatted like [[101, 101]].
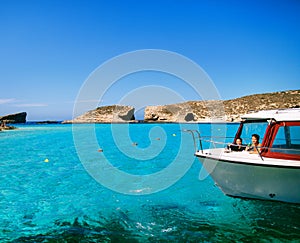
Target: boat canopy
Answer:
[[292, 114], [281, 138]]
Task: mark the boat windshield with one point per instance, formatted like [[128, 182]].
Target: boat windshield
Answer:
[[253, 128]]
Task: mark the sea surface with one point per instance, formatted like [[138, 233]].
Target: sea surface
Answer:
[[125, 183]]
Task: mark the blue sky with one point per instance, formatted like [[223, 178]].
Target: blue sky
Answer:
[[48, 48]]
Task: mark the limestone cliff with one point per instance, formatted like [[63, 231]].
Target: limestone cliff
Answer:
[[14, 118], [276, 100], [228, 110], [106, 114], [190, 111]]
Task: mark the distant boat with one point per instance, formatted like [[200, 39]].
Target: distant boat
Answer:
[[271, 174]]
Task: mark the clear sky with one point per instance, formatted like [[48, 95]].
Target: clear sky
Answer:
[[49, 47]]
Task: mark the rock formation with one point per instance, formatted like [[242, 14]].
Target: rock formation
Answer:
[[268, 101], [195, 111], [106, 114], [14, 118], [191, 111], [228, 110], [3, 126]]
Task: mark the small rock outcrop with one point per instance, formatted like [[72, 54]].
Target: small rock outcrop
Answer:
[[3, 126], [106, 114], [228, 110], [14, 118]]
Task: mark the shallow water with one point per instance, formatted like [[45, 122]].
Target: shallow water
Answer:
[[59, 201]]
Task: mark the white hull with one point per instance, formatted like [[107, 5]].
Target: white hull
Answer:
[[241, 174]]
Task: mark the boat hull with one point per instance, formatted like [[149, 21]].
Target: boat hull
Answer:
[[268, 182]]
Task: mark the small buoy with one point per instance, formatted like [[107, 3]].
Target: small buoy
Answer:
[[100, 150], [46, 160], [174, 135]]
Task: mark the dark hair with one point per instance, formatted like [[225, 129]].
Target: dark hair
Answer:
[[256, 136], [239, 139]]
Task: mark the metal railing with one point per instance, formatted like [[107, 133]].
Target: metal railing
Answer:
[[194, 139], [199, 147]]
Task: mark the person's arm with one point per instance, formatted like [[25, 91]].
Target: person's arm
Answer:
[[248, 147], [256, 149]]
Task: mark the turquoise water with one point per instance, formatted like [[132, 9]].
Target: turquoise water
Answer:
[[59, 201]]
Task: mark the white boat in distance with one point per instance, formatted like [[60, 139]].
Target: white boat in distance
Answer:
[[273, 172]]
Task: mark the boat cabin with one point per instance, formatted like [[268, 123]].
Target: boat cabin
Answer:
[[279, 132]]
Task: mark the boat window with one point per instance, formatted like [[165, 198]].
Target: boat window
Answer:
[[253, 128], [295, 135], [287, 140]]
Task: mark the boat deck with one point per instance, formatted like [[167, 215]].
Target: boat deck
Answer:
[[244, 157]]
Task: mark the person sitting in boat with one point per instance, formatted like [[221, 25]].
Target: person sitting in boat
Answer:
[[254, 148], [238, 146]]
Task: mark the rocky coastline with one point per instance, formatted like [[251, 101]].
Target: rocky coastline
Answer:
[[227, 110], [190, 111], [194, 111]]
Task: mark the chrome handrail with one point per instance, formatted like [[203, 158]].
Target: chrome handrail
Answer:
[[196, 135], [194, 139]]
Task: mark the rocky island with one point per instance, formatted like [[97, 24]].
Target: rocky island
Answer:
[[12, 118], [106, 114]]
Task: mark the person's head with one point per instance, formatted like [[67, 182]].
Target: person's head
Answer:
[[239, 141], [255, 138]]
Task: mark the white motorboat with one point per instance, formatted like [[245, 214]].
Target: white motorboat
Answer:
[[273, 172]]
